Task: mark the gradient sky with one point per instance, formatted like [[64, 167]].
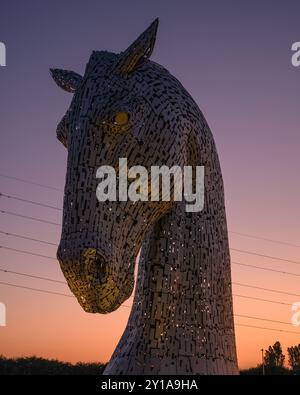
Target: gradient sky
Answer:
[[234, 57]]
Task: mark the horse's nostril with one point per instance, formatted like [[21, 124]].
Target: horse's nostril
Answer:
[[101, 266], [95, 265]]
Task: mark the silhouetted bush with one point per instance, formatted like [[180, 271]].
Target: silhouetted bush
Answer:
[[269, 371], [38, 366]]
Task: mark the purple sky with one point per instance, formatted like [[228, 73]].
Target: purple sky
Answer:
[[234, 57]]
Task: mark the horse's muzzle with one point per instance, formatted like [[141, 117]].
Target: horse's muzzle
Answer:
[[92, 278]]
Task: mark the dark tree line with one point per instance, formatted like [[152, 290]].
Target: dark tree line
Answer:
[[274, 356], [274, 364], [40, 366], [274, 361], [294, 357]]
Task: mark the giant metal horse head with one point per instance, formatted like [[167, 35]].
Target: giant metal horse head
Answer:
[[126, 106]]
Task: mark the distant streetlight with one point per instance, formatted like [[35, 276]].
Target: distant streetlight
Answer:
[[263, 362]]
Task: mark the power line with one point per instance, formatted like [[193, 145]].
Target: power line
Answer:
[[28, 252], [235, 263], [44, 291], [32, 276], [29, 201], [260, 299], [63, 282], [59, 224], [126, 306], [31, 182], [265, 289], [235, 295], [261, 319], [230, 231], [27, 238], [247, 252], [268, 329], [264, 238], [232, 249], [265, 256], [61, 190], [37, 289], [50, 243], [29, 217], [266, 269]]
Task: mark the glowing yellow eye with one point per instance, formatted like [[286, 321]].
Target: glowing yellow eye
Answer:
[[121, 118]]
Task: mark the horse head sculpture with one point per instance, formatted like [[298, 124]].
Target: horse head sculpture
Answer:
[[126, 106]]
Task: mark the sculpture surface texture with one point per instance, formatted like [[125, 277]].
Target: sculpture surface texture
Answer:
[[181, 321]]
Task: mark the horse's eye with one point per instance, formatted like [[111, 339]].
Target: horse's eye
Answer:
[[121, 118]]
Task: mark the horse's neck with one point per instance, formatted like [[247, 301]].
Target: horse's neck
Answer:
[[184, 260], [183, 305]]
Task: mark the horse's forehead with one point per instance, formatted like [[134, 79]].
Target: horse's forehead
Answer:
[[100, 61], [100, 77]]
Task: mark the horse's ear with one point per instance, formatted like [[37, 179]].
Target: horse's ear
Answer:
[[138, 52], [65, 79]]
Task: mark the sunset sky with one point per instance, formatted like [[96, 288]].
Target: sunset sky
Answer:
[[234, 58]]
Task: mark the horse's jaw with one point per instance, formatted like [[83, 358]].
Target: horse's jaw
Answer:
[[94, 280]]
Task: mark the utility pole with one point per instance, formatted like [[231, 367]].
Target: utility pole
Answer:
[[263, 362]]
